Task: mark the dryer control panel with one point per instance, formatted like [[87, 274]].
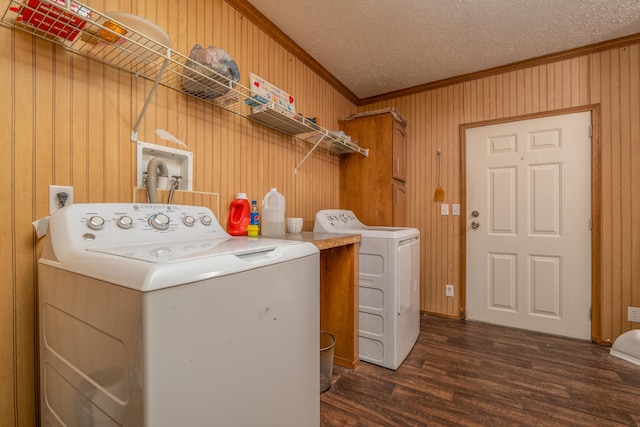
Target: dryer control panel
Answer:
[[335, 220], [345, 221]]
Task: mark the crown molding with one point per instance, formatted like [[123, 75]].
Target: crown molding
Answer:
[[261, 21], [527, 63]]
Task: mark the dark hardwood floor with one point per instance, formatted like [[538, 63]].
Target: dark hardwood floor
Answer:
[[463, 373]]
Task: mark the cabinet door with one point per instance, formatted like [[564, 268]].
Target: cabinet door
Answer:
[[398, 149], [365, 181], [399, 204]]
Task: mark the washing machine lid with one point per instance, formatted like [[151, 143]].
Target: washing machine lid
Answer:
[[151, 267], [179, 251], [381, 232]]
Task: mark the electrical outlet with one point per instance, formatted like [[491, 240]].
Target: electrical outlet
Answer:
[[448, 290], [444, 209], [633, 314], [54, 199]]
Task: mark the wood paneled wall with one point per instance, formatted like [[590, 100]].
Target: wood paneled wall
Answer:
[[610, 79], [67, 121]]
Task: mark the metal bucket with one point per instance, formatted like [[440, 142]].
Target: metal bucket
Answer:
[[327, 342]]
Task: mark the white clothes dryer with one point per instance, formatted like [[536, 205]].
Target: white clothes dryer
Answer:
[[389, 286], [152, 315]]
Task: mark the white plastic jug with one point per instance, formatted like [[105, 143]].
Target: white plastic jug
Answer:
[[272, 216]]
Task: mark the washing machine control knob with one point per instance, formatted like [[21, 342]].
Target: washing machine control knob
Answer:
[[125, 222], [95, 222], [159, 221], [206, 220], [189, 221]]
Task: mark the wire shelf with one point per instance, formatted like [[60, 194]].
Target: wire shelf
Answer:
[[145, 51]]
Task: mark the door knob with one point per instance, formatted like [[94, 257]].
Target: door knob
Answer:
[[475, 225]]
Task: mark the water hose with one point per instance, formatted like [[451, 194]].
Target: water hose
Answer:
[[156, 167]]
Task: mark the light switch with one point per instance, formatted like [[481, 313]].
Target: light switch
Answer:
[[455, 209], [444, 209]]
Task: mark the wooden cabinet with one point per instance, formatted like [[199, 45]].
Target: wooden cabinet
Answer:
[[373, 187]]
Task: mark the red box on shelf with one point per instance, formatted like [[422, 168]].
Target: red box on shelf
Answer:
[[54, 20]]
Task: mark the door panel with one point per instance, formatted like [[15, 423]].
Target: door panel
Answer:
[[545, 199], [545, 285], [503, 194], [502, 281], [398, 152], [528, 224], [399, 217]]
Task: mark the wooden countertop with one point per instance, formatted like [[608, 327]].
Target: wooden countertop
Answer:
[[324, 240]]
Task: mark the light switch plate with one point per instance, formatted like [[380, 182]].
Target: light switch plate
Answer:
[[448, 290], [444, 209], [455, 209]]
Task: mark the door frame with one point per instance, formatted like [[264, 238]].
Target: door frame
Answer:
[[596, 207]]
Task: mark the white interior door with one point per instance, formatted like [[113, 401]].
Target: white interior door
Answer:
[[529, 224]]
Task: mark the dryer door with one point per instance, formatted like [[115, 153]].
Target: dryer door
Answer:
[[408, 275], [406, 323]]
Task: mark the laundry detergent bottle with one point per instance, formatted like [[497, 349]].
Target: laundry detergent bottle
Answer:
[[239, 214], [272, 216]]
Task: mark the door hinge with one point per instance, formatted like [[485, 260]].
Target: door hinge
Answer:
[[590, 313], [590, 224], [590, 131]]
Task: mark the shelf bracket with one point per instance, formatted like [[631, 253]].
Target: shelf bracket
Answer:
[[295, 171], [134, 132]]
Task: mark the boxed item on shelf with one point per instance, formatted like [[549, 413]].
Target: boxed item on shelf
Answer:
[[54, 20], [271, 93], [256, 101]]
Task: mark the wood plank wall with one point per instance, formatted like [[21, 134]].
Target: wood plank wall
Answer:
[[610, 79], [68, 122]]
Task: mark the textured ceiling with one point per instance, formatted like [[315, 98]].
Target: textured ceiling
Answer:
[[375, 47]]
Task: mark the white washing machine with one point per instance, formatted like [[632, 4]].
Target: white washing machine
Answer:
[[389, 313], [151, 315]]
